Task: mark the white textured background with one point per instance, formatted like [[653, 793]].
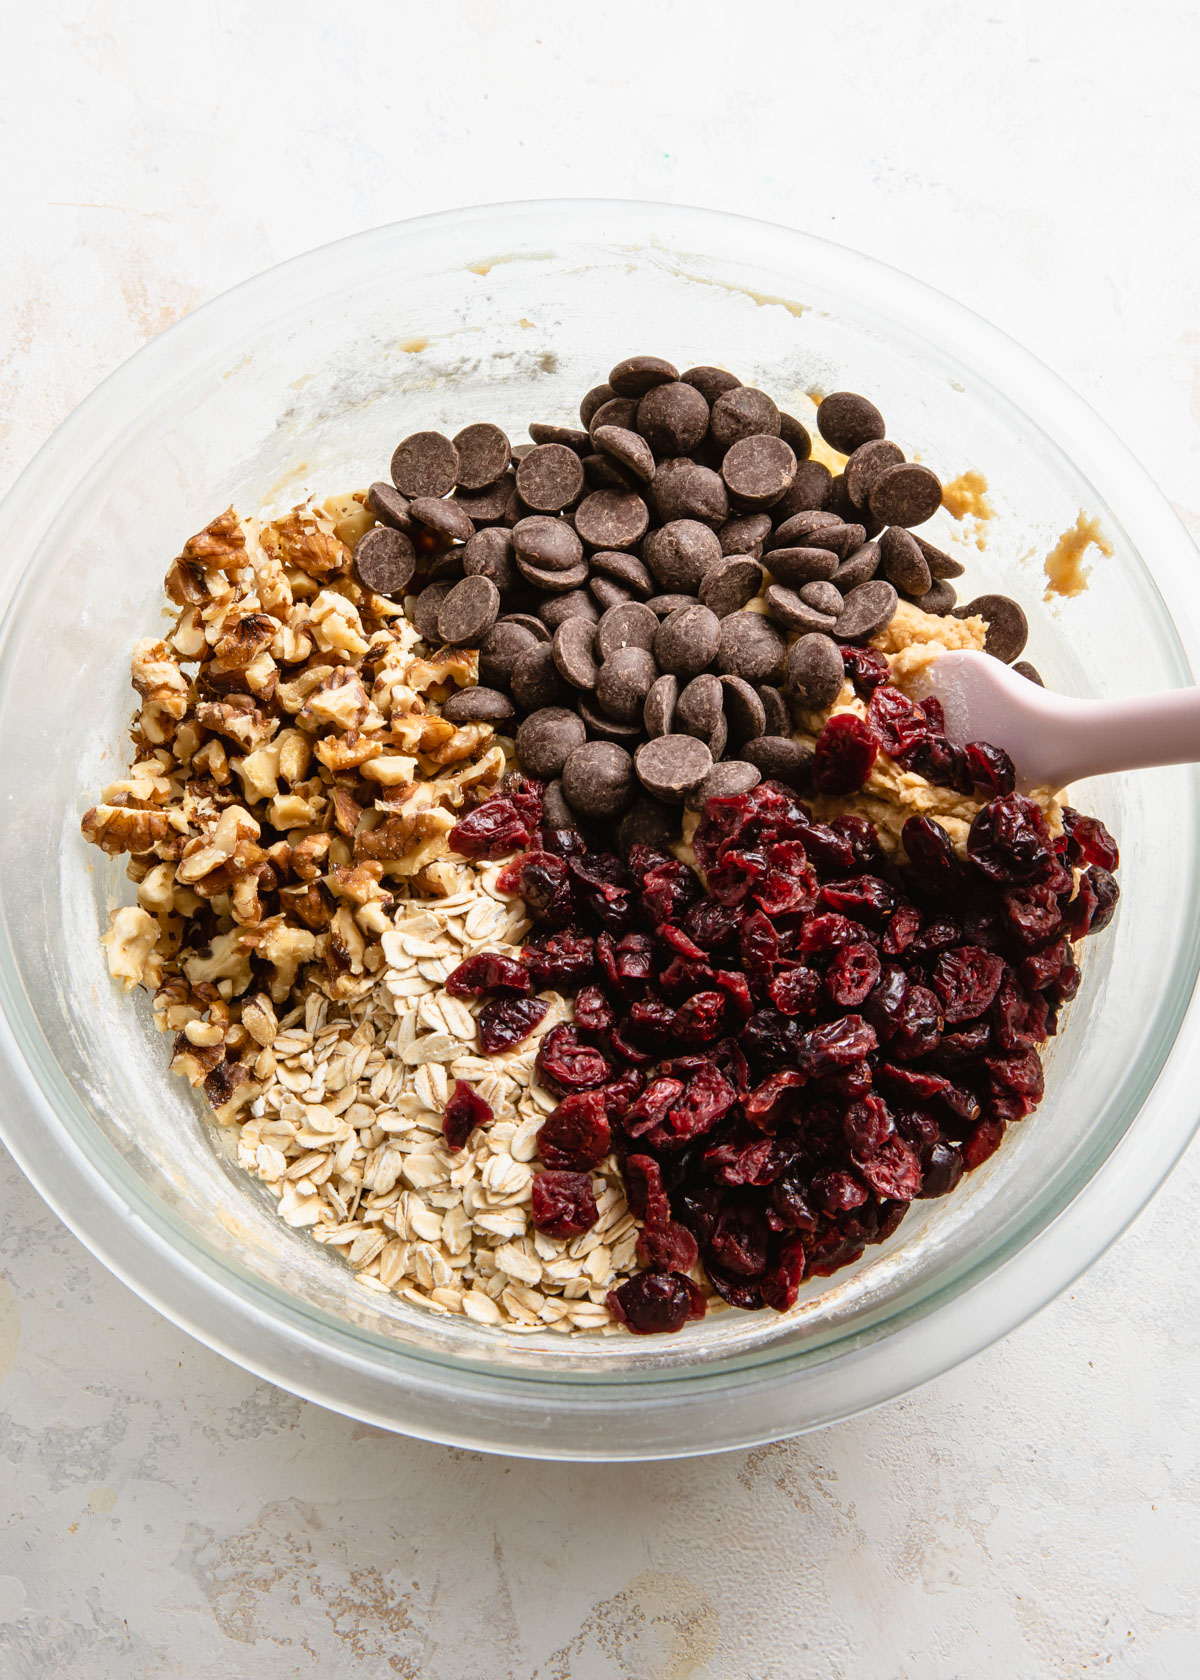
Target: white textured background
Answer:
[[1032, 1516]]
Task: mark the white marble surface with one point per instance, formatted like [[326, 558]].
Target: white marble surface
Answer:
[[1036, 1514]]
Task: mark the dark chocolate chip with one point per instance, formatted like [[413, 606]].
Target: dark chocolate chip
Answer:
[[556, 813], [549, 544], [796, 566], [499, 649], [868, 463], [483, 455], [576, 603], [547, 739], [1007, 626], [664, 605], [535, 680], [730, 583], [528, 622], [553, 582], [574, 647], [624, 681], [688, 640], [389, 506], [609, 593], [718, 738], [785, 607], [938, 599], [796, 436], [814, 673], [1031, 672], [778, 712], [902, 563], [700, 706], [809, 492], [823, 596], [478, 705], [680, 553], [638, 374], [780, 759], [384, 561], [670, 766], [724, 781], [569, 436], [425, 464], [490, 506], [658, 713], [489, 554], [905, 495], [444, 563], [550, 478], [800, 530], [648, 822], [603, 728], [468, 612], [940, 565], [758, 470], [631, 624], [711, 382], [869, 609], [595, 399], [673, 419], [846, 421], [625, 569], [612, 518], [605, 472], [749, 647], [617, 411], [684, 490], [741, 413], [444, 518], [744, 710], [843, 538], [427, 607], [628, 449], [857, 568], [598, 779], [745, 535]]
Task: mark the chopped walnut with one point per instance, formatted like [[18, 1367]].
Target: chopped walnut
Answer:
[[131, 938]]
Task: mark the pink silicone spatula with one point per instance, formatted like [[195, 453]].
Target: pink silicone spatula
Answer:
[[1053, 740]]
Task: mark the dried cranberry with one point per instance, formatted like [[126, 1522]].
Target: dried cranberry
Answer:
[[915, 1084], [670, 1247], [620, 1093], [796, 990], [868, 1126], [507, 1021], [966, 981], [943, 1167], [560, 961], [864, 897], [593, 1011], [486, 972], [918, 1024], [1094, 903], [918, 1128], [650, 1110], [544, 882], [707, 1098], [788, 1207], [526, 793], [564, 1203], [1031, 915], [983, 1141], [634, 961], [644, 1190], [725, 820], [902, 929], [656, 1303], [680, 943], [576, 1134], [990, 768], [770, 1038], [735, 874], [852, 975], [563, 842], [789, 883], [668, 890], [824, 934], [1009, 840], [1021, 1073], [883, 1008], [770, 1102], [838, 1044], [713, 926], [892, 1170], [933, 864], [652, 1022], [899, 723], [1044, 966], [844, 754], [782, 1278], [464, 1111], [491, 830], [565, 1063], [1088, 841], [699, 1020], [838, 1191], [866, 669], [746, 1159], [738, 1243]]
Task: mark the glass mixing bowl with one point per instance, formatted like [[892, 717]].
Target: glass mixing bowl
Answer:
[[305, 378]]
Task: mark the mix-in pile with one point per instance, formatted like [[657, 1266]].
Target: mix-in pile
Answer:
[[540, 861]]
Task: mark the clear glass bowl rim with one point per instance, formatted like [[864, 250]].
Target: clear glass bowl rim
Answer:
[[713, 1407]]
